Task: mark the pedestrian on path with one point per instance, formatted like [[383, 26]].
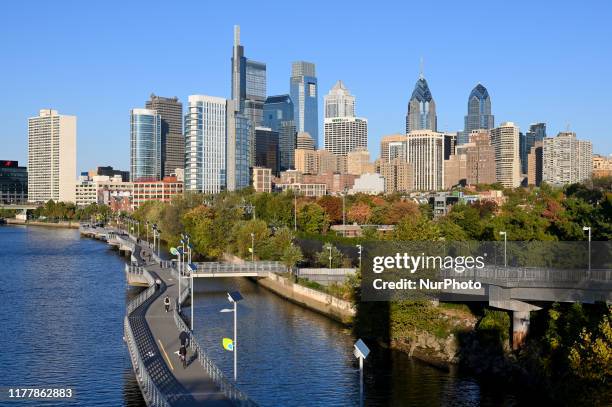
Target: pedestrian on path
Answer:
[[183, 355], [157, 283], [167, 303]]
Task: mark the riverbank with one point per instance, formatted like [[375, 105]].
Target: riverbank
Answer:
[[328, 305], [64, 225]]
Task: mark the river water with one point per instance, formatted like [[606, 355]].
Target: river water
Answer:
[[63, 303]]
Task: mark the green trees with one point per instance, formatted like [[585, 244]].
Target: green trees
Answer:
[[312, 219], [591, 355]]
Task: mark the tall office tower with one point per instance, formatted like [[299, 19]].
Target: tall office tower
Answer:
[[51, 157], [425, 151], [398, 175], [478, 114], [566, 160], [534, 166], [450, 143], [472, 163], [206, 138], [238, 149], [278, 115], [393, 146], [303, 90], [481, 158], [145, 145], [339, 102], [172, 139], [248, 89], [421, 108], [266, 149], [358, 162], [537, 132], [304, 141], [345, 134], [505, 142]]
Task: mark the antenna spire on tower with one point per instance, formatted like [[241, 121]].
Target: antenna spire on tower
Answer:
[[421, 73], [236, 35]]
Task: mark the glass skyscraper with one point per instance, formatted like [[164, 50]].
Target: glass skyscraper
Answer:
[[421, 108], [145, 140], [303, 90], [278, 116], [479, 113], [266, 149], [206, 126], [248, 89], [537, 132]]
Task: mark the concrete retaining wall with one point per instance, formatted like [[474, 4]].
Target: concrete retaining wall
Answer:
[[69, 225], [326, 276], [335, 308]]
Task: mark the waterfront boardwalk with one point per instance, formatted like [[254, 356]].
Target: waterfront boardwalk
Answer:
[[189, 386], [152, 335]]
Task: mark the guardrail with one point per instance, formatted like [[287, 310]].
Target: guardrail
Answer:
[[249, 266], [231, 391], [151, 393], [545, 276]]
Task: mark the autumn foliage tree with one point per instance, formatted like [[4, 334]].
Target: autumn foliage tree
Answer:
[[360, 213]]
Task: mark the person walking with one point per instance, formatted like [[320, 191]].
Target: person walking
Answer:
[[157, 283], [167, 303], [183, 355]]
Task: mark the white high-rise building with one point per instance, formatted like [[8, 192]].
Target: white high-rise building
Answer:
[[206, 137], [425, 151], [339, 102], [505, 142], [51, 157], [345, 134], [566, 160]]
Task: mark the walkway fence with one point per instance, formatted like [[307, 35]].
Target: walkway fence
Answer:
[[228, 387], [150, 392]]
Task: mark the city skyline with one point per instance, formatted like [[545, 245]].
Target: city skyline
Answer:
[[102, 138]]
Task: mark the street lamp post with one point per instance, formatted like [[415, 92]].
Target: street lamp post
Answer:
[[294, 210], [360, 249], [234, 297], [505, 235], [588, 229], [330, 256], [252, 247], [344, 213], [361, 351]]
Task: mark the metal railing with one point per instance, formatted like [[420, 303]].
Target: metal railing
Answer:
[[246, 267], [228, 387], [151, 393]]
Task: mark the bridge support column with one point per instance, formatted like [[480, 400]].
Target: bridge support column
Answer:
[[520, 327]]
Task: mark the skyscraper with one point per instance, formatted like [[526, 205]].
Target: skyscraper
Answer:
[[172, 139], [278, 116], [421, 108], [51, 157], [566, 160], [537, 132], [345, 134], [248, 89], [206, 127], [425, 151], [478, 114], [392, 147], [303, 90], [339, 102], [505, 142], [266, 149], [145, 145]]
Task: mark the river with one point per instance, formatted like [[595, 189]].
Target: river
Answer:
[[63, 306]]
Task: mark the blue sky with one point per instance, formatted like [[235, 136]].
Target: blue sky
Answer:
[[541, 61]]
